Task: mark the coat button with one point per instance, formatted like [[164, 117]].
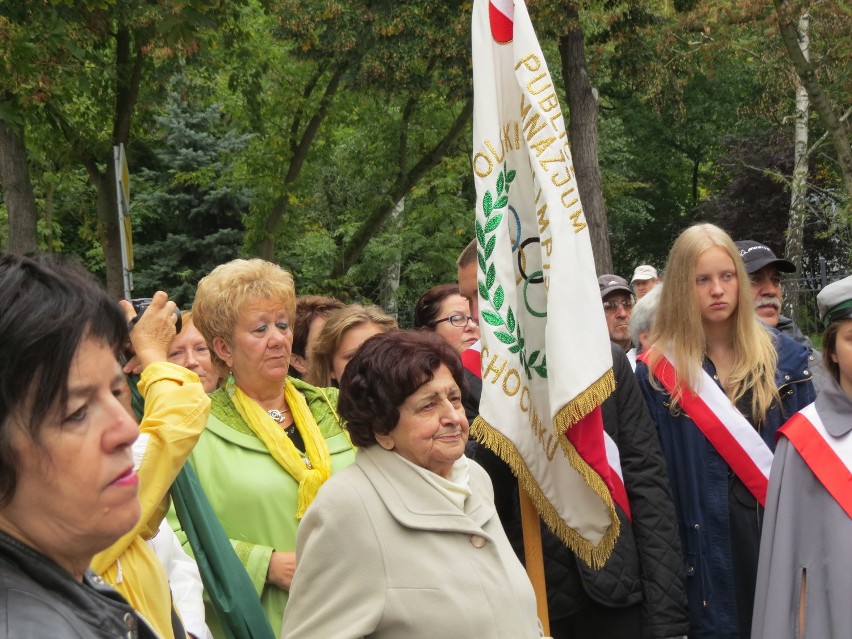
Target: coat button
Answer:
[[787, 377], [806, 372], [477, 541]]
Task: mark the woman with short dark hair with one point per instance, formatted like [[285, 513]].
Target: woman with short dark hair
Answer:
[[443, 310], [69, 489], [312, 311], [406, 542]]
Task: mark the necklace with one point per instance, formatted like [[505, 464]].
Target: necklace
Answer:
[[278, 415]]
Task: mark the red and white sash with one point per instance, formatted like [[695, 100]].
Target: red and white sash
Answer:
[[471, 360], [828, 457], [731, 434]]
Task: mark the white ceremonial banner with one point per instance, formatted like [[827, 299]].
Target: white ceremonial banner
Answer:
[[546, 359]]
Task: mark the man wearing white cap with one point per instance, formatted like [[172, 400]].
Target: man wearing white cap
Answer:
[[644, 279]]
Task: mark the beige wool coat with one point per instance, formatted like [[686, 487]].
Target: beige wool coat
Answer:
[[383, 554]]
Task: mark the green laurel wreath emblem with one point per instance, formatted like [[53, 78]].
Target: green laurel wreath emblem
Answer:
[[507, 327]]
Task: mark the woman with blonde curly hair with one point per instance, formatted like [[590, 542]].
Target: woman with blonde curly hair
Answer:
[[271, 441], [718, 384], [344, 332]]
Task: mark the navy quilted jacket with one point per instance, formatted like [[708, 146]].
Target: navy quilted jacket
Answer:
[[701, 485]]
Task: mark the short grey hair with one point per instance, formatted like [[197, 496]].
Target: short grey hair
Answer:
[[644, 314]]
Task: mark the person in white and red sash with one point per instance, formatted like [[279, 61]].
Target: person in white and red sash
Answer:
[[805, 573], [718, 384]]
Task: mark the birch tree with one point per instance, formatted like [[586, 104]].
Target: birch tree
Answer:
[[799, 185], [837, 129]]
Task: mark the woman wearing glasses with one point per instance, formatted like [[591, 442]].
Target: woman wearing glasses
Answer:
[[344, 332], [443, 310]]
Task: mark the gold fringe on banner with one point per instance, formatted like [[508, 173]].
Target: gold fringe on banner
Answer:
[[584, 403], [594, 556]]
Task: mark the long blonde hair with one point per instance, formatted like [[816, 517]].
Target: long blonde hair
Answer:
[[679, 333]]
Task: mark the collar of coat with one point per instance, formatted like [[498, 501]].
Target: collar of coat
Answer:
[[414, 503]]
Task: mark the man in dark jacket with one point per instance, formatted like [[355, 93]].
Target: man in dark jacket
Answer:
[[639, 593]]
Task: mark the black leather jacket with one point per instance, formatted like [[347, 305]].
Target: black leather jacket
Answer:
[[40, 599]]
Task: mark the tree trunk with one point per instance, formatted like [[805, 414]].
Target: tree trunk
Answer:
[[836, 128], [17, 190], [390, 286], [129, 63], [583, 135], [799, 186], [109, 231]]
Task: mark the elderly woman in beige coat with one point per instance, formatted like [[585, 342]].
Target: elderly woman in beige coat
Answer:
[[406, 542]]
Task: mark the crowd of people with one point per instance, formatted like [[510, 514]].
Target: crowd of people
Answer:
[[267, 465]]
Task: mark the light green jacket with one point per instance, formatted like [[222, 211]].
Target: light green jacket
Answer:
[[253, 496]]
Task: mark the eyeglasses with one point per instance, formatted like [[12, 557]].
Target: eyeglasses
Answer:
[[612, 307], [457, 320]]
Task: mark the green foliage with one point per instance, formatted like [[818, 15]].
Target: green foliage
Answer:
[[315, 110]]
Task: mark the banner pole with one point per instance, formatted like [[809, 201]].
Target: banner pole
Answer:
[[534, 556]]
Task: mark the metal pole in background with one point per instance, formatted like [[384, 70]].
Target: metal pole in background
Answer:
[[122, 190]]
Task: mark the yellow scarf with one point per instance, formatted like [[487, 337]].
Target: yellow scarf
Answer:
[[282, 449]]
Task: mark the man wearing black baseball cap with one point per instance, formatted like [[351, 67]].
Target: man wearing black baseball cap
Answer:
[[764, 270]]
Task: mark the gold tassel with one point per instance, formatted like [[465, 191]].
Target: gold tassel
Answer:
[[592, 555], [584, 403]]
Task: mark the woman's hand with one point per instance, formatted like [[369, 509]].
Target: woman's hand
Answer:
[[151, 336], [282, 566]]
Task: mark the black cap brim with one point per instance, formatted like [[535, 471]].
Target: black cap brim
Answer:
[[785, 266], [620, 288]]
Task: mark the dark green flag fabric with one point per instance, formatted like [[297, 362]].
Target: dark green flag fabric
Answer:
[[227, 584]]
